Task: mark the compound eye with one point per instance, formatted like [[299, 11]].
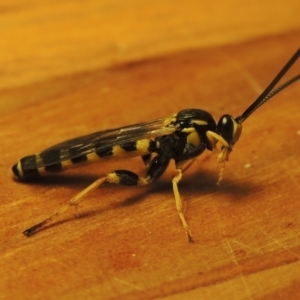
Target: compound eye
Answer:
[[229, 129]]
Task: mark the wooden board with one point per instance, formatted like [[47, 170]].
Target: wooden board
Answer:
[[128, 243]]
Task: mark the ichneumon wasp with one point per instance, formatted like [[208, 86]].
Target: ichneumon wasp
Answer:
[[180, 137]]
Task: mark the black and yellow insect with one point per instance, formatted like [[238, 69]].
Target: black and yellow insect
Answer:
[[180, 137]]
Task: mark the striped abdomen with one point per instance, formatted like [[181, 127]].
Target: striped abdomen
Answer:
[[62, 158]]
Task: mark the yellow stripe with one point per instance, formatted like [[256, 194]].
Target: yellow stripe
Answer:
[[67, 164], [142, 147], [113, 178], [93, 156], [118, 151], [194, 139]]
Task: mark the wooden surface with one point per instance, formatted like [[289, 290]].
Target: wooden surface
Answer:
[[68, 69]]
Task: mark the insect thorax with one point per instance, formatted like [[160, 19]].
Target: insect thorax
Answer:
[[190, 138]]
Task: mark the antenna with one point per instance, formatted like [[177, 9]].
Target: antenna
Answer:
[[268, 93]]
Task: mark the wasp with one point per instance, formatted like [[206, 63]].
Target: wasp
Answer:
[[180, 137]]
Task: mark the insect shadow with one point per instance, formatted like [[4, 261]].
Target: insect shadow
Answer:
[[195, 185]]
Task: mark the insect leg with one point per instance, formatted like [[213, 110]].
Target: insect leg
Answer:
[[146, 159], [157, 166], [224, 154], [73, 202], [178, 202], [122, 177]]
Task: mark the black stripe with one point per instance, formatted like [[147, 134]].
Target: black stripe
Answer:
[[75, 153], [103, 152], [51, 160], [50, 157], [29, 167], [129, 146], [79, 159], [28, 162]]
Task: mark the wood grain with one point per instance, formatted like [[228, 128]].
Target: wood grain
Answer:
[[69, 69]]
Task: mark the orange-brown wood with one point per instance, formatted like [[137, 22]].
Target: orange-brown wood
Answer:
[[70, 69]]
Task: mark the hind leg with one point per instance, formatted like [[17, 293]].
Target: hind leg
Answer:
[[122, 177]]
